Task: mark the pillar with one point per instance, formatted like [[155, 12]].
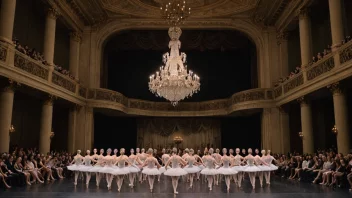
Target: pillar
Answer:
[[307, 126], [6, 105], [283, 44], [49, 36], [46, 125], [305, 36], [7, 18], [341, 118], [72, 126], [336, 22], [275, 130], [75, 41]]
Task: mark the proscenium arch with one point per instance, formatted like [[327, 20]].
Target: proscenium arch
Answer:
[[246, 26]]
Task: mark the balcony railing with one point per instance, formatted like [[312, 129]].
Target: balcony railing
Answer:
[[14, 63]]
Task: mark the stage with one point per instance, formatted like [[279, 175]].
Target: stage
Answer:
[[280, 188]]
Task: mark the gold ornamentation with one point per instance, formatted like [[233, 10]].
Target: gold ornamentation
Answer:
[[50, 100], [293, 83], [63, 81], [245, 97], [320, 68], [335, 88], [302, 100], [278, 91], [346, 54], [30, 66], [53, 13], [303, 13], [76, 36], [3, 53]]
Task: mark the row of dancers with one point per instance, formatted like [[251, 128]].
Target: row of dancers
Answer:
[[144, 165]]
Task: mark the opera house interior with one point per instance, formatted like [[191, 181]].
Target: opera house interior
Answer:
[[261, 74]]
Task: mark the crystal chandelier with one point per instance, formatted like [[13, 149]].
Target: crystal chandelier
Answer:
[[173, 82], [175, 12]]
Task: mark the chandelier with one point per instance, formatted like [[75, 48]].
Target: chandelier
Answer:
[[175, 12], [173, 81]]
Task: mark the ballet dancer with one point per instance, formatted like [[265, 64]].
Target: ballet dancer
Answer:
[[97, 166], [191, 168], [87, 162], [95, 155], [217, 158], [209, 171], [184, 156], [142, 157], [225, 169], [77, 160], [251, 168], [199, 163], [269, 159], [262, 165], [175, 171], [164, 158], [108, 169], [121, 170], [237, 165], [150, 168], [134, 169]]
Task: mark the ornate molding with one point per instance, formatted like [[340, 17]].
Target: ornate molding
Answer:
[[321, 67], [31, 66], [346, 54], [335, 88], [302, 100], [53, 13], [282, 36], [303, 13], [76, 36], [11, 86], [50, 100]]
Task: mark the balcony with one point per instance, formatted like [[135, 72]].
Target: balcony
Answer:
[[25, 70]]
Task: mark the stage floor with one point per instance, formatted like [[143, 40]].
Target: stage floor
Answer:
[[280, 188]]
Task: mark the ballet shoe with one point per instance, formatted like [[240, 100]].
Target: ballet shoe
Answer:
[[228, 189], [75, 184], [151, 190], [175, 192]]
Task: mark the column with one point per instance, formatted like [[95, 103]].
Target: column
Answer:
[[72, 126], [49, 36], [283, 43], [307, 126], [46, 125], [336, 22], [341, 118], [305, 36], [6, 105], [7, 18], [75, 42]]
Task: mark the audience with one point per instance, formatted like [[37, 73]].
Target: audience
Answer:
[[34, 54], [315, 59]]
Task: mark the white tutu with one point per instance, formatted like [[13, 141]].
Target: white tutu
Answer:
[[264, 167], [74, 167], [134, 169], [238, 168], [251, 169], [107, 169], [95, 169], [121, 171], [84, 168], [162, 169], [227, 171], [151, 171], [192, 169], [175, 172], [209, 171], [273, 167], [201, 167]]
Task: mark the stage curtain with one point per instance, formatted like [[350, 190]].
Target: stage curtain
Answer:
[[196, 133]]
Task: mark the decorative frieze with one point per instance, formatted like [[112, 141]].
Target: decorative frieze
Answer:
[[3, 53], [64, 82], [346, 54], [30, 66], [293, 82], [335, 88], [320, 68]]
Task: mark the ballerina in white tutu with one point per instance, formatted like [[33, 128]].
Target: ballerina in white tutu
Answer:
[[192, 167], [237, 165], [87, 161], [97, 166], [108, 168], [209, 171], [186, 154], [199, 163], [77, 162], [175, 171], [261, 165], [134, 169], [95, 155], [142, 157], [164, 158], [269, 159], [225, 169], [121, 170], [217, 158], [150, 168], [251, 168]]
